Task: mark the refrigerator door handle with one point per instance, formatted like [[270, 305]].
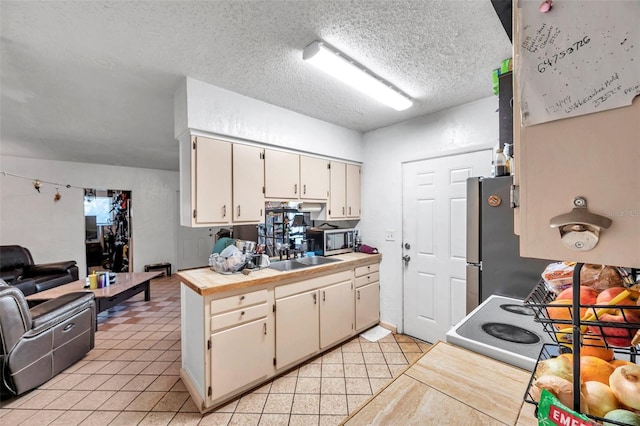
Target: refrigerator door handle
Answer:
[[473, 287], [473, 220]]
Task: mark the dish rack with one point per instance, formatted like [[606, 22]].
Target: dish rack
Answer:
[[567, 331]]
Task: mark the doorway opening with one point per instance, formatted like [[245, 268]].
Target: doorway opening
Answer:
[[108, 239]]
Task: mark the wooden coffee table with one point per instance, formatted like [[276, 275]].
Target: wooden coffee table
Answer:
[[127, 285]]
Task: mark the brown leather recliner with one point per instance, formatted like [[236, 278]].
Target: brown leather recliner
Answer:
[[38, 343]]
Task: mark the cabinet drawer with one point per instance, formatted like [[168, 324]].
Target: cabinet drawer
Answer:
[[367, 269], [239, 301], [367, 279], [312, 284], [240, 316]]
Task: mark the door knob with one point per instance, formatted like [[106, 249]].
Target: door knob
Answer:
[[406, 258], [407, 246]]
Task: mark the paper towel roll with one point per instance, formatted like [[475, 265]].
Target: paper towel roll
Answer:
[[310, 207]]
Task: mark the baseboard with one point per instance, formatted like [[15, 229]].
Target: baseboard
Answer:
[[389, 327]]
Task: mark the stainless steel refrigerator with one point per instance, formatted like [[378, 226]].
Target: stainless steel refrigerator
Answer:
[[494, 265]]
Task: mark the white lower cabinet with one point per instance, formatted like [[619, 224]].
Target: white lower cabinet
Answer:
[[235, 341], [240, 356], [367, 305], [297, 327], [336, 313]]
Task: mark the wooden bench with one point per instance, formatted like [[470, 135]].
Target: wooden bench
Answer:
[[156, 266]]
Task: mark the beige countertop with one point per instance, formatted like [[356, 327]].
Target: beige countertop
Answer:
[[205, 281], [451, 385]]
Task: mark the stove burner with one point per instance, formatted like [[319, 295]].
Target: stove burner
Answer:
[[517, 309], [510, 333]]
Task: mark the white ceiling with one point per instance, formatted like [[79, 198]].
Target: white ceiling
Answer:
[[93, 81]]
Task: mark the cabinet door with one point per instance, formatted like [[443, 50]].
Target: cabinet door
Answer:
[[336, 313], [212, 181], [240, 356], [281, 174], [595, 156], [314, 178], [248, 183], [337, 191], [353, 191], [297, 327], [367, 305]]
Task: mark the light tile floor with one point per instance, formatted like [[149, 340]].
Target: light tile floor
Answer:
[[132, 377]]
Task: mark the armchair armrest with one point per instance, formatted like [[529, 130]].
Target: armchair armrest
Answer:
[[52, 312], [49, 268]]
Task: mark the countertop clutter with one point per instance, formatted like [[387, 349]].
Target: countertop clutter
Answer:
[[451, 385], [206, 282]]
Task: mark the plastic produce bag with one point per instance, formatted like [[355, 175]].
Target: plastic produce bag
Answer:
[[558, 276], [552, 412], [229, 260]]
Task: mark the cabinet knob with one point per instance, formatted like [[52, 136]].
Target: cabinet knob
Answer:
[[241, 297], [242, 313], [304, 189], [358, 294], [238, 211], [315, 298], [295, 188], [224, 211]]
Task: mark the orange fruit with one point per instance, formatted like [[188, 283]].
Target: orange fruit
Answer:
[[619, 363], [593, 368], [594, 346]]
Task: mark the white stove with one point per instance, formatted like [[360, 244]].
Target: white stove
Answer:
[[502, 328]]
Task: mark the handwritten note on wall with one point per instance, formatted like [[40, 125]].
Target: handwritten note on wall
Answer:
[[579, 58]]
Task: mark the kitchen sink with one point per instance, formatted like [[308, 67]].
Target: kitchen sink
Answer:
[[305, 262], [287, 265], [317, 260]]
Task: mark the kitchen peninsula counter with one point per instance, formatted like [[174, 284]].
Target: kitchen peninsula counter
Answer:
[[239, 331], [451, 385], [206, 282]]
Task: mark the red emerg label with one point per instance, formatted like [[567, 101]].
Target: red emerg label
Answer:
[[562, 418]]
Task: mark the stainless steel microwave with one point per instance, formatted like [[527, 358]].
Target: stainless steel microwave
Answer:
[[327, 242]]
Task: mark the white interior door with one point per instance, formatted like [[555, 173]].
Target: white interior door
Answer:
[[434, 241]]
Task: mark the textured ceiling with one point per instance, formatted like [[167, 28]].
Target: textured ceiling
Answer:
[[93, 81]]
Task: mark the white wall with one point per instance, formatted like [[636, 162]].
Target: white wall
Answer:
[[55, 231], [464, 128], [218, 111]]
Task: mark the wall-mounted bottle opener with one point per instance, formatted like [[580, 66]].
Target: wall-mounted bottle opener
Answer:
[[580, 229]]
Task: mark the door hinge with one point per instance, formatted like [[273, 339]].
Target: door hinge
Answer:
[[209, 391], [274, 361], [209, 344], [262, 155], [274, 307], [329, 166], [195, 213], [514, 196], [195, 142], [263, 190]]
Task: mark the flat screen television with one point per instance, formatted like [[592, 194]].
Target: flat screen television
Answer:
[[91, 228]]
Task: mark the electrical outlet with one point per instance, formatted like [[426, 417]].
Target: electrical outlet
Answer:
[[390, 235]]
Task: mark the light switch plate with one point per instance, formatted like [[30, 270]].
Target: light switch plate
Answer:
[[390, 235]]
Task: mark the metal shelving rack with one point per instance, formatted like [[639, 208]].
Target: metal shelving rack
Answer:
[[281, 228]]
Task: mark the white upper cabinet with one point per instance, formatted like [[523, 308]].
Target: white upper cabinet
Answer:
[[281, 175], [206, 193], [344, 193], [353, 191], [314, 178], [248, 183], [337, 208], [594, 156]]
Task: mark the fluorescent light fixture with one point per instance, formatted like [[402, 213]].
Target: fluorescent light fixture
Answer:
[[355, 75]]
